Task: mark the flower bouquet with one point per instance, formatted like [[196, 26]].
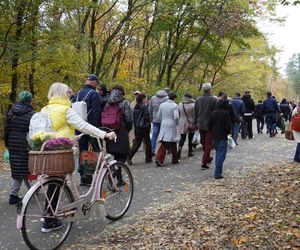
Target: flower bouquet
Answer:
[[51, 155], [39, 138], [61, 143]]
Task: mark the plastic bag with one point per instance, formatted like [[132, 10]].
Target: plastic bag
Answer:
[[6, 156], [231, 143], [196, 138]]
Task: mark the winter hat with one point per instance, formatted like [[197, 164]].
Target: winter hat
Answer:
[[25, 96]]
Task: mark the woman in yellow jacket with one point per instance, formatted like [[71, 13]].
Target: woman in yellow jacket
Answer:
[[64, 122]]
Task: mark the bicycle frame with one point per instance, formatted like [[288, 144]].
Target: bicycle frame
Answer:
[[80, 208]]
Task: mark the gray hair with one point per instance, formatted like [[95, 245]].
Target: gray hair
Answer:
[[58, 89]]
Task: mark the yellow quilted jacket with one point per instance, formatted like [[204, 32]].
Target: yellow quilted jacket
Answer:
[[58, 108]]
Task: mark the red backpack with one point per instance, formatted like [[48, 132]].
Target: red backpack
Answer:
[[111, 116], [296, 121]]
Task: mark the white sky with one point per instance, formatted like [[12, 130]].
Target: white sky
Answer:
[[285, 36]]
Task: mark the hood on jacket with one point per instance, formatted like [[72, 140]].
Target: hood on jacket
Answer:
[[115, 96], [222, 104], [186, 99], [161, 94], [20, 108], [246, 96]]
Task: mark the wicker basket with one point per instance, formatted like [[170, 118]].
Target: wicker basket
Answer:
[[56, 163]]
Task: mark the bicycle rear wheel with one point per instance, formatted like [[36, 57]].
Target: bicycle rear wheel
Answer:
[[42, 227], [117, 197]]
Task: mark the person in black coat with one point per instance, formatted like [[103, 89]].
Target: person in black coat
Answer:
[[248, 116], [260, 117], [142, 126], [15, 136], [120, 148], [220, 126], [285, 109]]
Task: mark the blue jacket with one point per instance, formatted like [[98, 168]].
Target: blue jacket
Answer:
[[93, 102], [238, 106], [270, 106]]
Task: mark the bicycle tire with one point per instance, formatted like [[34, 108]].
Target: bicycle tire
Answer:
[[37, 200], [124, 192]]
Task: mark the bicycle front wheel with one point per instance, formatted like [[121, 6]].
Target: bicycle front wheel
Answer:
[[44, 225], [117, 190]]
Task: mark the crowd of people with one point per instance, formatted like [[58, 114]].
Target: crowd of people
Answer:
[[152, 120]]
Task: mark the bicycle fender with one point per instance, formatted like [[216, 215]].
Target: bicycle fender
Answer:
[[22, 205]]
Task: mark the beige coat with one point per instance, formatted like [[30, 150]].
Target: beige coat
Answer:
[[186, 117]]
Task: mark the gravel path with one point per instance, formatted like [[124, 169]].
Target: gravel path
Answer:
[[155, 186]]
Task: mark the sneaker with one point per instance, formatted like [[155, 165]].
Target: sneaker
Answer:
[[203, 167], [13, 199], [51, 226]]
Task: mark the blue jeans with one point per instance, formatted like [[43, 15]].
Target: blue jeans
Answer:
[[221, 149], [155, 132], [235, 131], [297, 154], [271, 121]]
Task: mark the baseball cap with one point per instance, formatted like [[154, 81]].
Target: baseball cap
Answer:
[[93, 77], [137, 92]]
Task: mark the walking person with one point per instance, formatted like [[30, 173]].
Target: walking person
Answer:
[[64, 122], [248, 116], [204, 106], [92, 98], [168, 115], [15, 138], [142, 126], [160, 97], [271, 108], [220, 126], [186, 123], [285, 109], [260, 117], [120, 148], [239, 108]]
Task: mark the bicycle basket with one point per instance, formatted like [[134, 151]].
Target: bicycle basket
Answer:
[[59, 162]]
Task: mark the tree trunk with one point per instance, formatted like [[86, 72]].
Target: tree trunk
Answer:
[[165, 58], [15, 51], [145, 40], [120, 50], [112, 36]]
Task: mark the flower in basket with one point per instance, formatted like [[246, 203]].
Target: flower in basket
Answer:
[[39, 138], [61, 143]]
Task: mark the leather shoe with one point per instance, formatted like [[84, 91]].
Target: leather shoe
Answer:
[[13, 199], [203, 167], [219, 177]]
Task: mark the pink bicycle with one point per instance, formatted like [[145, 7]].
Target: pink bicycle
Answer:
[[57, 200]]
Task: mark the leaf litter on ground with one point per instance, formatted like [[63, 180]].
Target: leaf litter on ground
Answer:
[[258, 208]]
